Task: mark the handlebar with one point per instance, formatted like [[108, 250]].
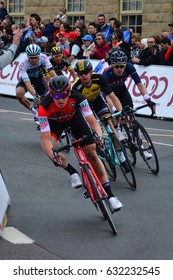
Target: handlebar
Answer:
[[116, 114], [128, 109]]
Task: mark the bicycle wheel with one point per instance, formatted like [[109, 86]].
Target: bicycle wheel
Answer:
[[146, 149], [100, 201], [125, 166], [106, 160], [129, 146]]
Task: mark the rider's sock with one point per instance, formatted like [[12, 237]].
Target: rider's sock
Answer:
[[32, 110], [107, 188], [70, 169]]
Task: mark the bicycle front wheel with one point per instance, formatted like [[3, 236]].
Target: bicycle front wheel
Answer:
[[147, 150], [125, 165], [100, 201]]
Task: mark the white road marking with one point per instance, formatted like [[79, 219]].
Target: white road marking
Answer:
[[162, 144], [16, 112], [15, 236]]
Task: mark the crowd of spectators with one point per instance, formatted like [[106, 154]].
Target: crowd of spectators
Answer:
[[94, 40]]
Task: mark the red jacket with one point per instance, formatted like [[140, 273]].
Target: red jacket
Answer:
[[100, 51]]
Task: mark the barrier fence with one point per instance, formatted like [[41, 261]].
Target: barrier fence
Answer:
[[157, 79]]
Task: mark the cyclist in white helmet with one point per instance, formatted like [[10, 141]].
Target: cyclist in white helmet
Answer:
[[32, 78]]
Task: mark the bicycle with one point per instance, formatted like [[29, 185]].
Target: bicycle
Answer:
[[111, 153], [91, 184], [138, 139]]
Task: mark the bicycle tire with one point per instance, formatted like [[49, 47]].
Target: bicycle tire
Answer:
[[100, 201], [129, 176], [106, 160], [147, 145], [129, 146]]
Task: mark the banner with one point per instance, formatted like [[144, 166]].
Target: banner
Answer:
[[4, 201], [156, 78]]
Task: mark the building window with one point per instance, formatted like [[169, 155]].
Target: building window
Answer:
[[16, 10], [75, 10], [131, 15]]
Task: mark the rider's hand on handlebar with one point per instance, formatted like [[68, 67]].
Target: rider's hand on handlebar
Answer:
[[152, 106], [36, 100]]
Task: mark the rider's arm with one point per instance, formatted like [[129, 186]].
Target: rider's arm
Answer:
[[115, 102], [93, 123]]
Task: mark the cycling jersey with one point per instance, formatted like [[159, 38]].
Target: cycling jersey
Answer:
[[118, 85], [28, 71], [55, 119], [64, 64], [118, 82], [98, 85]]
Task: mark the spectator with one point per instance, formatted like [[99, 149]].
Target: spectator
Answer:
[[3, 11], [135, 45], [75, 46], [101, 47], [171, 31], [7, 56], [79, 32], [62, 15], [81, 24], [150, 55], [35, 22], [48, 29], [144, 43], [25, 39], [117, 40], [45, 45], [115, 25], [165, 44], [63, 42], [88, 45], [65, 27], [92, 29], [57, 24], [169, 55], [103, 27]]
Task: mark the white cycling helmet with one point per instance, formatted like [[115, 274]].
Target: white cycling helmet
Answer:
[[33, 49]]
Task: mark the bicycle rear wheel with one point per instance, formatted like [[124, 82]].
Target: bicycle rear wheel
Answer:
[[129, 146], [106, 160], [100, 201], [128, 174], [147, 150]]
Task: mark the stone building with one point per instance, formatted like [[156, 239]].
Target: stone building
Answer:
[[148, 17]]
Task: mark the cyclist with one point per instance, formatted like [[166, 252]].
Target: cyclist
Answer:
[[32, 79], [61, 108], [95, 88], [60, 62], [117, 74]]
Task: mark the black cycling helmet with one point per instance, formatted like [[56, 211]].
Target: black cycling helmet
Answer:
[[118, 57], [33, 50], [59, 83], [56, 50], [83, 65]]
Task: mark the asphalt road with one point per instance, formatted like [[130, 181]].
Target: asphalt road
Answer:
[[61, 222]]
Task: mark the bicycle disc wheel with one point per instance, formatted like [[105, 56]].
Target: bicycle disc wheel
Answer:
[[100, 201], [106, 160], [129, 147], [147, 150], [125, 166]]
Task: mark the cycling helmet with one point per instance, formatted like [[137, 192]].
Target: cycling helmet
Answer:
[[56, 50], [118, 57], [33, 49], [83, 65], [59, 83]]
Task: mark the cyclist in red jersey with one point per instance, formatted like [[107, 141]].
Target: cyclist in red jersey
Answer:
[[61, 108]]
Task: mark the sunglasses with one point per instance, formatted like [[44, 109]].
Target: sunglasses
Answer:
[[118, 65], [98, 39], [33, 57], [60, 96], [57, 55], [84, 72]]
